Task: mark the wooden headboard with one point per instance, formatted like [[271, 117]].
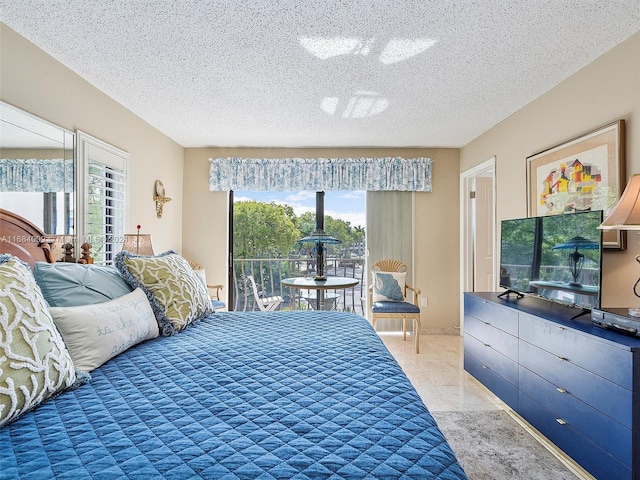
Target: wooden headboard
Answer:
[[20, 237]]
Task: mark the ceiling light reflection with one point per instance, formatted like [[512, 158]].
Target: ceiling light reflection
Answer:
[[361, 105], [329, 105], [324, 48], [396, 49], [399, 49]]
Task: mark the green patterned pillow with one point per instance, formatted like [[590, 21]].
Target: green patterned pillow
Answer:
[[34, 361], [176, 294]]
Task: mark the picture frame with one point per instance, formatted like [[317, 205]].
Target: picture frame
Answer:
[[584, 173]]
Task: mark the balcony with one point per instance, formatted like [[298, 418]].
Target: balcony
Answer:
[[268, 273]]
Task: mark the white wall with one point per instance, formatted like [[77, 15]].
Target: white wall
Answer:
[[436, 258], [606, 90], [37, 83]]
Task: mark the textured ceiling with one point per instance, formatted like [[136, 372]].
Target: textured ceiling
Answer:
[[295, 73]]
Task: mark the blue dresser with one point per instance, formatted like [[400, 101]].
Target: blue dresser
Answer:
[[574, 382]]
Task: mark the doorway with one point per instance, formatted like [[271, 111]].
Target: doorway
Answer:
[[477, 230]]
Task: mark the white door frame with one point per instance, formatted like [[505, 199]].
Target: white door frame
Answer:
[[467, 230]]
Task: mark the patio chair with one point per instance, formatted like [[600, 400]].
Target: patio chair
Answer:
[[388, 296], [266, 304]]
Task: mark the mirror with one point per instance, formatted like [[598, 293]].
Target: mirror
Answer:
[[37, 171]]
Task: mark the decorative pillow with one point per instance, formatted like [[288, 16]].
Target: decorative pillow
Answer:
[[73, 284], [176, 293], [388, 286], [34, 362], [95, 333]]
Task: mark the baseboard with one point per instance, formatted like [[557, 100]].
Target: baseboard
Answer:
[[440, 331]]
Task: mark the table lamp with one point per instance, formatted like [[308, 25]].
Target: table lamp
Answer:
[[138, 243], [626, 216]]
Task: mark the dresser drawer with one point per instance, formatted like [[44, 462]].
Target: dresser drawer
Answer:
[[504, 390], [594, 425], [601, 394], [593, 459], [506, 319], [499, 340], [590, 353], [492, 359]]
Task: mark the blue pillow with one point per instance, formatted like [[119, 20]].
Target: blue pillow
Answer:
[[74, 284]]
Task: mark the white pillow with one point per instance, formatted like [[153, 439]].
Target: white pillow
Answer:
[[95, 333], [388, 286]]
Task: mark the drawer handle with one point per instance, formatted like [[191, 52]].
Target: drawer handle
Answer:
[[485, 367], [561, 328], [563, 359], [561, 421], [486, 345], [486, 323], [561, 390]]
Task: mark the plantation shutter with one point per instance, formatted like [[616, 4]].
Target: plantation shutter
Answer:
[[103, 186], [105, 222]]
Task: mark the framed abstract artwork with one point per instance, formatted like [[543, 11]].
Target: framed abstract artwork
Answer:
[[584, 173]]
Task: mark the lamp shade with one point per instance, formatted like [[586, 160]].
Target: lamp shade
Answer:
[[138, 243], [626, 214]]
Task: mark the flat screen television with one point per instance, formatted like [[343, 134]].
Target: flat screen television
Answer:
[[558, 257]]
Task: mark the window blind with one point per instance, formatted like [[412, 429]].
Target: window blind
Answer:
[[102, 192]]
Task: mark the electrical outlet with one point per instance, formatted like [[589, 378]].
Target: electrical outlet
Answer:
[[423, 301]]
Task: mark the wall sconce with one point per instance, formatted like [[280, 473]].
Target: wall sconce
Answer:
[[159, 198]]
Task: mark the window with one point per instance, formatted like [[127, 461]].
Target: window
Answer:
[[102, 187]]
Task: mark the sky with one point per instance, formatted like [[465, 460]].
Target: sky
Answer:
[[345, 205]]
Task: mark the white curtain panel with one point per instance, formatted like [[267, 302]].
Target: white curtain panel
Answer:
[[389, 235]]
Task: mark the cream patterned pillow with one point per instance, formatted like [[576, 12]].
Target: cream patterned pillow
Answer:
[[95, 333], [34, 361], [388, 286], [176, 293]]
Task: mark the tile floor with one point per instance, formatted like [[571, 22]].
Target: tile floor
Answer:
[[437, 372]]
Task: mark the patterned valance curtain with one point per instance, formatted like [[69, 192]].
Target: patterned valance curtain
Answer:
[[36, 175], [313, 174]]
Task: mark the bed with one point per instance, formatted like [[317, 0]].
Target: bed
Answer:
[[237, 395]]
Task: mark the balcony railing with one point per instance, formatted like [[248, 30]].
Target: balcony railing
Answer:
[[268, 273]]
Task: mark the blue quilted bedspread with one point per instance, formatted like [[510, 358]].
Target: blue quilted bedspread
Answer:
[[238, 395]]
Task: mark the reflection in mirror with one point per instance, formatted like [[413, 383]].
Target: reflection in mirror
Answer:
[[37, 170]]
